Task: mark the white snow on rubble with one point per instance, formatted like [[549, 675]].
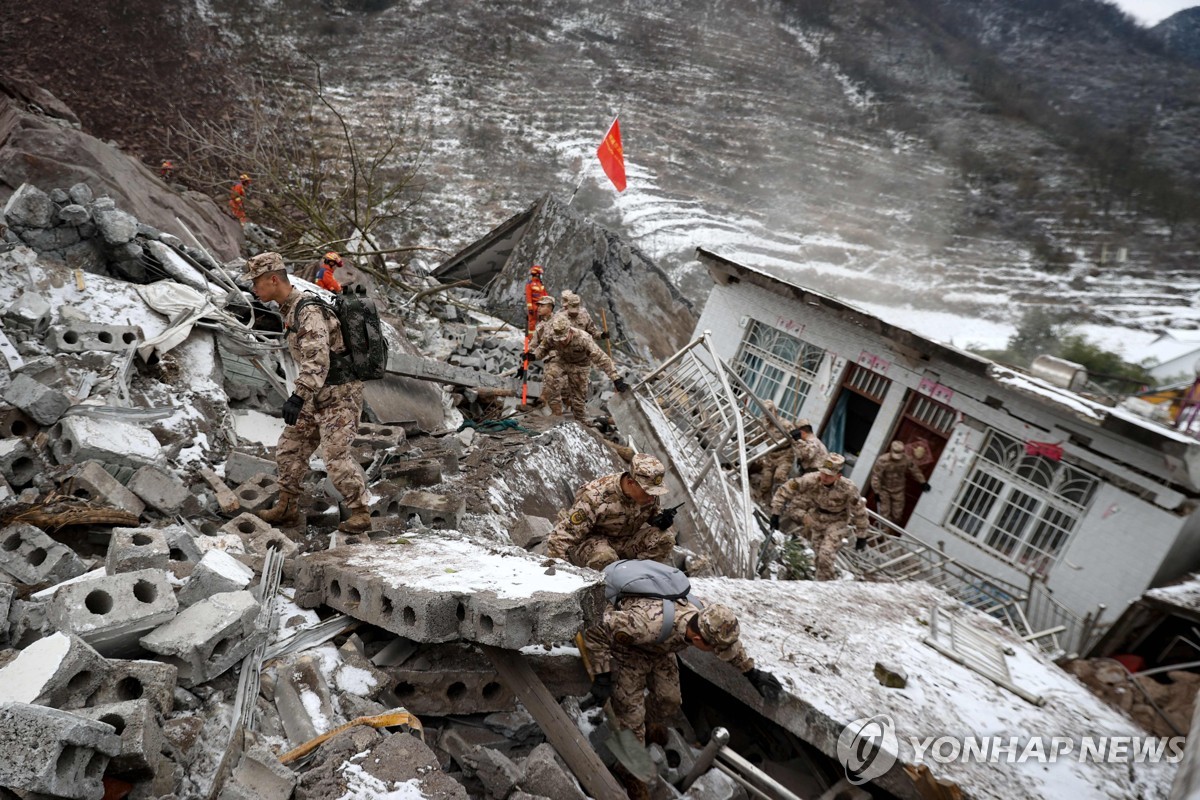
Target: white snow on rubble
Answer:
[[362, 785], [822, 641]]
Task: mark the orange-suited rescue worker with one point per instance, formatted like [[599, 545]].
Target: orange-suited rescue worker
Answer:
[[325, 278], [166, 170], [534, 291], [237, 198]]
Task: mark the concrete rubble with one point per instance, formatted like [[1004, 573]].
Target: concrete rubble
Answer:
[[133, 600]]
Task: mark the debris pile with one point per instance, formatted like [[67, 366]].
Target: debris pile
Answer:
[[1161, 707], [173, 643]]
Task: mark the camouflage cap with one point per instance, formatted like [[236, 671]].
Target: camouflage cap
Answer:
[[261, 264], [897, 447], [572, 300], [648, 472], [833, 464], [719, 626], [545, 301], [804, 423], [560, 326]]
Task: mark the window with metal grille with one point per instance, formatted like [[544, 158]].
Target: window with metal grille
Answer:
[[1020, 506], [777, 366], [867, 383]]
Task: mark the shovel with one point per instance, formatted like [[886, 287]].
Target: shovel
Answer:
[[621, 742]]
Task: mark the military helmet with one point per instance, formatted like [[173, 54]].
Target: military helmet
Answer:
[[718, 625], [897, 447]]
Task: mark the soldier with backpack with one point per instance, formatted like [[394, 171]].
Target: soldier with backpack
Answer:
[[325, 408], [652, 616]]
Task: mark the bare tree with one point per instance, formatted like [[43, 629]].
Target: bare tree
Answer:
[[317, 177]]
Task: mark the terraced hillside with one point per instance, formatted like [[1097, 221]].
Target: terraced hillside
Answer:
[[843, 147]]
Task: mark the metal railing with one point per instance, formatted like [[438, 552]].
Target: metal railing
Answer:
[[697, 416]]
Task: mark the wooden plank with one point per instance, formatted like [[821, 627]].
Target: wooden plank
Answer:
[[560, 731]]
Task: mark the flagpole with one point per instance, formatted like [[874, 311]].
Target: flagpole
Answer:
[[583, 170]]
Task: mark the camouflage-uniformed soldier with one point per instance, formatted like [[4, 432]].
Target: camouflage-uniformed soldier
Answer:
[[829, 506], [574, 311], [316, 414], [545, 311], [806, 451], [889, 480], [574, 353], [610, 519], [630, 655]]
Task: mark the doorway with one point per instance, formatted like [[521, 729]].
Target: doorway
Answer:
[[924, 427], [854, 412]]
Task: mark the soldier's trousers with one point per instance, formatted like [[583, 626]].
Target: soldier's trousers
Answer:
[[553, 383], [826, 538], [773, 474], [328, 420], [644, 685], [575, 389], [649, 543], [891, 504]]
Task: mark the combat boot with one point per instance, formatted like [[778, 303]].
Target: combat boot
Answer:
[[285, 513], [358, 521]]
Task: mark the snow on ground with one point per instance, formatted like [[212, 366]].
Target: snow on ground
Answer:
[[822, 641]]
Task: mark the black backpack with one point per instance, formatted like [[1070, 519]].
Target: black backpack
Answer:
[[365, 356], [635, 577]]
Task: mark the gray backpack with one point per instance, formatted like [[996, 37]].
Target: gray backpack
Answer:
[[640, 578]]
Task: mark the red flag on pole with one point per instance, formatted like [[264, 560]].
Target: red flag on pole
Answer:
[[612, 156]]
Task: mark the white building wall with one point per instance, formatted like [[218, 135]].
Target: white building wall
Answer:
[[1119, 545]]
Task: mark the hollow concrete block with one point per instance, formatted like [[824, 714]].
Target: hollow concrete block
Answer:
[[15, 423], [83, 337], [136, 722], [54, 752], [434, 510], [257, 493], [58, 670], [44, 404], [112, 612], [138, 680], [216, 573], [209, 637], [20, 462], [111, 442], [378, 437], [31, 557], [247, 524], [132, 549], [91, 482]]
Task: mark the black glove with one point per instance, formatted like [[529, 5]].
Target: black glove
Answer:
[[774, 522], [602, 687], [860, 543], [797, 434], [764, 683], [925, 487], [664, 519], [291, 409], [620, 385], [521, 373], [603, 335]]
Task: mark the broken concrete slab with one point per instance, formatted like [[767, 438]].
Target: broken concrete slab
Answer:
[[436, 589], [136, 722], [81, 337], [59, 670], [495, 771], [226, 499], [42, 403], [133, 549], [216, 573], [434, 510], [544, 775], [113, 612], [302, 699], [416, 472], [400, 758], [241, 467], [529, 530], [32, 557], [258, 543], [92, 482], [30, 312], [715, 785], [160, 489], [54, 752], [111, 442], [259, 776], [153, 681], [209, 637]]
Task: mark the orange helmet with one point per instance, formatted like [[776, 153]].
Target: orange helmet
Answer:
[[244, 178], [536, 269], [167, 162], [333, 259]]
